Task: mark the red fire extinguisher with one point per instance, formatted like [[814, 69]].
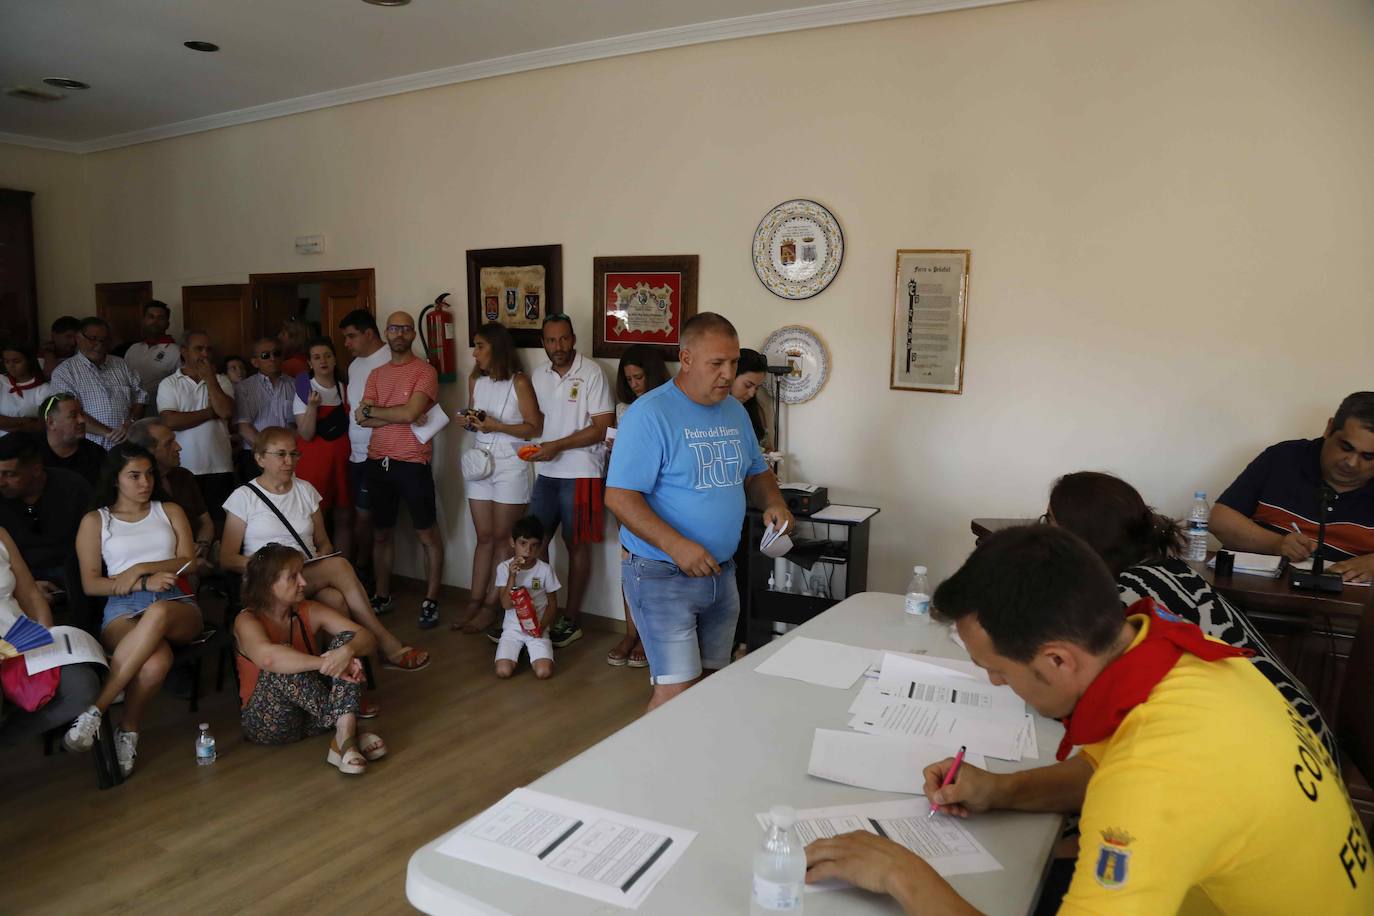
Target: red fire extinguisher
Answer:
[[439, 338]]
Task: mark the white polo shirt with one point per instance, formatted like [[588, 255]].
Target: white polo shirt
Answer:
[[358, 371], [204, 448], [568, 403], [153, 364]]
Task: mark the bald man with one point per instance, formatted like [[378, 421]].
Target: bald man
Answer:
[[263, 399], [399, 393]]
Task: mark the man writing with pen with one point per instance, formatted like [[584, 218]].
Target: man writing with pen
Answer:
[[1183, 809]]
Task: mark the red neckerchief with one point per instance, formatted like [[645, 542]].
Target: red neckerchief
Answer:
[[1126, 682], [21, 387], [154, 341]]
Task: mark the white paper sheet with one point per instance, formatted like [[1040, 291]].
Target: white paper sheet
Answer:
[[69, 646], [433, 422], [885, 763], [944, 842], [926, 680], [851, 514], [874, 712], [816, 661], [604, 855]]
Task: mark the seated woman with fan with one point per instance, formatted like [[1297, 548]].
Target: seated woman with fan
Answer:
[[279, 508], [299, 668]]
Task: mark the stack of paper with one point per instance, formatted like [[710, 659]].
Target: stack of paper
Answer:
[[1255, 564], [885, 763]]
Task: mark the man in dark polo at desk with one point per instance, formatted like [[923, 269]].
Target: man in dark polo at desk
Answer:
[[41, 508], [1282, 488]]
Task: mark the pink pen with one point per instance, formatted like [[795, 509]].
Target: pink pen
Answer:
[[949, 778]]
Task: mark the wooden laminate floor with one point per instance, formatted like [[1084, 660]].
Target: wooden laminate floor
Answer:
[[275, 830]]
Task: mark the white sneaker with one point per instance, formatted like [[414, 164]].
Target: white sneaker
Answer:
[[82, 734], [126, 748]]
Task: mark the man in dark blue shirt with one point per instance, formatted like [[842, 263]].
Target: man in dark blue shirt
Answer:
[[1273, 507]]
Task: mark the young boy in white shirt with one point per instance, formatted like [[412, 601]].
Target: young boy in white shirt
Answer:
[[526, 570]]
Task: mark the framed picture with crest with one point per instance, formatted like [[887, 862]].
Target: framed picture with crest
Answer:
[[642, 300], [516, 287]]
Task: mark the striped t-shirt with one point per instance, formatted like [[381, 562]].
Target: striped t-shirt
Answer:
[[390, 385]]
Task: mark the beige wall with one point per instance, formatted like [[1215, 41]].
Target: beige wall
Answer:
[[1168, 204], [61, 227]]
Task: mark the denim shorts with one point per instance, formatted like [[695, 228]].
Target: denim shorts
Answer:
[[576, 503], [686, 623], [133, 604]]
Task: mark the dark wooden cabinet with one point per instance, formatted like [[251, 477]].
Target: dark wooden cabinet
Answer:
[[18, 275]]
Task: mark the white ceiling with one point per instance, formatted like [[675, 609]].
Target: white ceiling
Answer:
[[283, 56]]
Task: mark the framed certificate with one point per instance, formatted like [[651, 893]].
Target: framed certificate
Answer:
[[930, 320], [642, 300]]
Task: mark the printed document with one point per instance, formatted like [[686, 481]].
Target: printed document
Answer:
[[611, 857], [942, 841], [69, 646], [817, 661], [923, 681], [875, 712], [885, 763]]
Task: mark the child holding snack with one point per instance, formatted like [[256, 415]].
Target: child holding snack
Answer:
[[526, 571]]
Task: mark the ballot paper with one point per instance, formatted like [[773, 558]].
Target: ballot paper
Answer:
[[875, 712], [431, 423], [775, 541], [816, 661], [604, 855], [944, 842], [69, 646], [948, 683], [885, 763]]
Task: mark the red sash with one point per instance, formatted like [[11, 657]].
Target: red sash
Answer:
[[164, 339], [21, 387], [1126, 682]]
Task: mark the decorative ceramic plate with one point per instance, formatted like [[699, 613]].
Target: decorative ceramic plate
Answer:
[[798, 248], [800, 348]]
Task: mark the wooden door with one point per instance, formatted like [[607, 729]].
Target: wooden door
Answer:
[[121, 304], [276, 302], [225, 312], [18, 283], [341, 291]]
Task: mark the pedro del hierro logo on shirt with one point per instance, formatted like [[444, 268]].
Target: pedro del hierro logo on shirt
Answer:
[[1113, 858], [720, 463]]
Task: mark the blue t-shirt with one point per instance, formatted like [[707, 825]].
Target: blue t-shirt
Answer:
[[690, 462]]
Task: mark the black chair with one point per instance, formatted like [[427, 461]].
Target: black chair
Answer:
[[107, 774]]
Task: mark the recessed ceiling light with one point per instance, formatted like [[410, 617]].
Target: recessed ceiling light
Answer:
[[201, 46], [387, 2], [61, 82]]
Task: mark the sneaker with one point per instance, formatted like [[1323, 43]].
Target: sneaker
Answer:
[[494, 632], [82, 734], [429, 614], [126, 748], [381, 604], [564, 632]]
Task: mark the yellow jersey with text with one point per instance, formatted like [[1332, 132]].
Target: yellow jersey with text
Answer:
[[1213, 796]]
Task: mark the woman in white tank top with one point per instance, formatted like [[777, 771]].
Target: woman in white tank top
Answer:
[[500, 388], [131, 549]]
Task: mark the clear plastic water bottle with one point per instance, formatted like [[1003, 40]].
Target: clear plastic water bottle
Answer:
[[1198, 514], [205, 746], [779, 866], [918, 594]]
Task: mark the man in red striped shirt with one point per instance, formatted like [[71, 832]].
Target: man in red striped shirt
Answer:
[[400, 393]]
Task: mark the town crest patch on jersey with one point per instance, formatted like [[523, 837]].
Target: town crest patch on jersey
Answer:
[[1113, 858]]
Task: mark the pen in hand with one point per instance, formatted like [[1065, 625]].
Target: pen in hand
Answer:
[[949, 778]]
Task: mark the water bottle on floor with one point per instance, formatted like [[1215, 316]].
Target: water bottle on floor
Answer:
[[1198, 514], [779, 866], [205, 746], [918, 594]]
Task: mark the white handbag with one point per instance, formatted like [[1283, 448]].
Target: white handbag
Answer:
[[476, 463]]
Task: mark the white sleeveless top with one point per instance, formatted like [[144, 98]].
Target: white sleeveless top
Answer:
[[502, 404], [9, 608], [125, 544]]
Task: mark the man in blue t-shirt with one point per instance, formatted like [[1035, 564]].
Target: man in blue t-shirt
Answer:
[[685, 457]]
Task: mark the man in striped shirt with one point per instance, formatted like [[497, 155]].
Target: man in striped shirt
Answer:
[[111, 393]]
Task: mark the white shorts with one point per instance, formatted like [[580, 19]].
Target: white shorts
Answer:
[[508, 649], [509, 482]]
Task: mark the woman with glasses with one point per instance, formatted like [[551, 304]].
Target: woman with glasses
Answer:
[[321, 411], [298, 663], [280, 508], [131, 549], [22, 390], [1142, 549]]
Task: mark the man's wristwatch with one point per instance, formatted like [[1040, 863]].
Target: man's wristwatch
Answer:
[[367, 411]]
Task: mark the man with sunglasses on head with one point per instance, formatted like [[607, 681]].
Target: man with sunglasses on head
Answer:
[[399, 393], [263, 399], [41, 507], [63, 443], [111, 393]]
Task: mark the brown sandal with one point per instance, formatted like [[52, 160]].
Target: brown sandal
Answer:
[[348, 758], [410, 659]]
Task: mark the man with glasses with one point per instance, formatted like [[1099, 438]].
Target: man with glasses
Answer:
[[196, 403], [156, 355], [364, 344], [64, 444], [569, 490], [263, 399], [41, 508], [110, 391], [398, 394]]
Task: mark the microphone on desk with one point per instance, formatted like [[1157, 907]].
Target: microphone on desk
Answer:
[[1316, 580]]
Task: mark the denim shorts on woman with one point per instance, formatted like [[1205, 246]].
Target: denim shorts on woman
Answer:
[[134, 603], [686, 623]]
